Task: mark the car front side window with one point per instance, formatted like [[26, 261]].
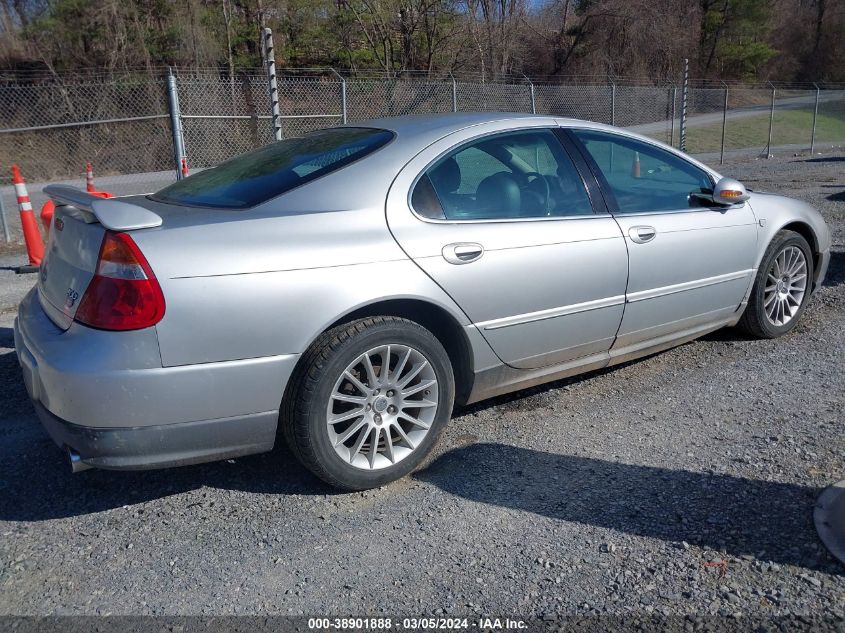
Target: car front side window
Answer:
[[524, 174], [642, 177]]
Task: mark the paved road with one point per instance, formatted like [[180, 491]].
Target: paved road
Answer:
[[683, 483], [710, 118]]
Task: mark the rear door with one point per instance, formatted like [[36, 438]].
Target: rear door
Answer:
[[691, 260], [503, 221]]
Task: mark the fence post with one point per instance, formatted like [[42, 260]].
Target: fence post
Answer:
[[175, 122], [454, 92], [342, 93], [771, 122], [612, 101], [682, 139], [674, 93], [724, 124], [270, 55], [815, 115], [3, 219], [531, 89]]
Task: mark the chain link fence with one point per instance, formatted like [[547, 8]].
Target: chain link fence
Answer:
[[52, 128], [222, 117], [124, 123], [763, 120], [649, 110]]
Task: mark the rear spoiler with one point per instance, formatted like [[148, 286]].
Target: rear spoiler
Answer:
[[113, 214]]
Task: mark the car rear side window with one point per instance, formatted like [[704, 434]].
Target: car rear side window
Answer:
[[270, 171], [523, 174]]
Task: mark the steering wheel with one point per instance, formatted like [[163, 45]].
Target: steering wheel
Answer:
[[541, 178]]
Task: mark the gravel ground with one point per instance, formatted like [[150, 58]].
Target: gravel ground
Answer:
[[680, 484]]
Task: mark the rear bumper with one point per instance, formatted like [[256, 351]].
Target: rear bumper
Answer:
[[106, 396], [160, 446]]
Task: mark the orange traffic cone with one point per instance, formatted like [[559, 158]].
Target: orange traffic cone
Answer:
[[89, 177], [47, 216], [635, 167], [34, 246], [49, 207]]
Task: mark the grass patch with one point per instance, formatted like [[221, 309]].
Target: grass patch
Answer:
[[790, 127]]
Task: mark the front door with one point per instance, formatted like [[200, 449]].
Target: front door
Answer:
[[503, 222], [691, 260]]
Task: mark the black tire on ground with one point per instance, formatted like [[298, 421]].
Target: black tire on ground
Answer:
[[304, 417], [754, 319]]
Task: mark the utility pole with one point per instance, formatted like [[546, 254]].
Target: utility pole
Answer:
[[771, 122], [815, 116], [612, 100], [724, 124], [270, 56], [342, 94], [531, 94], [3, 220], [684, 99], [673, 95], [175, 122]]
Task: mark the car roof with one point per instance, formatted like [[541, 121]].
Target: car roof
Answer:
[[440, 125], [417, 131]]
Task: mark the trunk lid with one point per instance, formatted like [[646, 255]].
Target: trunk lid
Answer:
[[79, 223]]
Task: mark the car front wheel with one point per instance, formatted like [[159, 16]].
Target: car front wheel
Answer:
[[368, 402], [782, 287]]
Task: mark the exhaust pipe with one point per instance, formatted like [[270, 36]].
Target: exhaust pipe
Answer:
[[76, 463]]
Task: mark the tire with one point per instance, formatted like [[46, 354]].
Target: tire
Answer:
[[333, 373], [756, 319]]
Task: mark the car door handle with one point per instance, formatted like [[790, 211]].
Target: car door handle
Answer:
[[462, 252], [642, 234]]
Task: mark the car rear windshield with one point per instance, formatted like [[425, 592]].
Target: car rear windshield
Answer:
[[265, 173]]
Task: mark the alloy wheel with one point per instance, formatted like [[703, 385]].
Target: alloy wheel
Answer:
[[382, 406], [786, 284]]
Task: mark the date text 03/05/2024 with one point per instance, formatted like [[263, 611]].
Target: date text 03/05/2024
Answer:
[[482, 624]]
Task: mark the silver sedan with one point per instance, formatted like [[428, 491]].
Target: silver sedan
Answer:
[[349, 287]]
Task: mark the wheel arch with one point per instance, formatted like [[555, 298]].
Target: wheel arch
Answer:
[[436, 319], [806, 231]]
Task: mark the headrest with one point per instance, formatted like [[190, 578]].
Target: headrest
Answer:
[[446, 177], [499, 196]]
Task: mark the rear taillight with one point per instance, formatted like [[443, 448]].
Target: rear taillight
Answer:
[[124, 293]]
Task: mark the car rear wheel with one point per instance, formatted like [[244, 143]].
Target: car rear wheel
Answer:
[[782, 287], [368, 402]]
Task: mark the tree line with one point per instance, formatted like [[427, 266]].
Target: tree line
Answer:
[[783, 40]]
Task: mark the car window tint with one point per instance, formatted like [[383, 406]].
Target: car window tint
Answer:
[[270, 171], [525, 174], [475, 166], [538, 156], [643, 177], [425, 201]]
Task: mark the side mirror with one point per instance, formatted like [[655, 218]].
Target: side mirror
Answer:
[[729, 191]]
